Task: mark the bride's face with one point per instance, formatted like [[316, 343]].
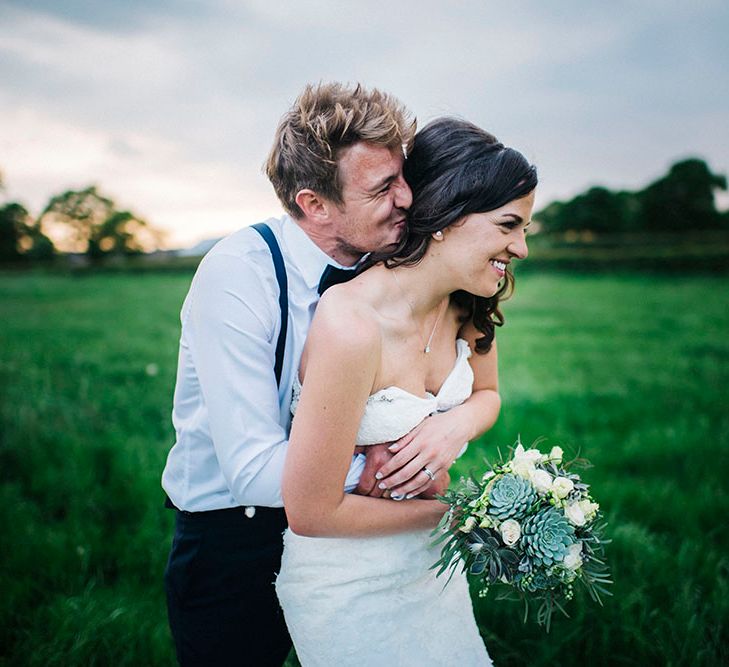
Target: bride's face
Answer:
[[483, 244]]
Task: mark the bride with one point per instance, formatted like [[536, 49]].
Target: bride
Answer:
[[405, 341]]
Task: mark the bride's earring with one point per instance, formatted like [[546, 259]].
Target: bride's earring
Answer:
[[438, 236]]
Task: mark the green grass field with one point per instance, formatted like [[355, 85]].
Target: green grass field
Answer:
[[629, 370]]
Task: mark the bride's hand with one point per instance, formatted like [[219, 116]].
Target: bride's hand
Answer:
[[433, 444]]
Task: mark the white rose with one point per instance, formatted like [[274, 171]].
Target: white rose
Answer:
[[534, 454], [510, 532], [556, 455], [561, 487], [524, 460], [574, 514], [523, 468], [573, 559], [589, 509], [542, 481], [468, 525]]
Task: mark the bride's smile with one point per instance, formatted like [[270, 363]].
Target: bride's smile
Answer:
[[480, 248]]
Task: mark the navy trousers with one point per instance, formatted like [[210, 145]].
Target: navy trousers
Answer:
[[221, 601]]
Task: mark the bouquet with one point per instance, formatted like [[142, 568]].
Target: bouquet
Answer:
[[529, 527]]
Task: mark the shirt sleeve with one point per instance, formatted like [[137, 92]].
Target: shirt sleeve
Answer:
[[232, 326]]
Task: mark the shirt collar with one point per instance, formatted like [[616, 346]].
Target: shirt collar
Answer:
[[310, 259]]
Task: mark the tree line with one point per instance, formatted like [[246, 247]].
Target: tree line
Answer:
[[75, 221], [88, 222], [681, 201]]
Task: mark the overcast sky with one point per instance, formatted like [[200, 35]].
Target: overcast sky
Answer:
[[170, 107]]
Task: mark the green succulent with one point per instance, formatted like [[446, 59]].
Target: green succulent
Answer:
[[511, 497], [492, 560], [546, 536], [538, 581]]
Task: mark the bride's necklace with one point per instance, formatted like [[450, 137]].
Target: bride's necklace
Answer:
[[441, 310]]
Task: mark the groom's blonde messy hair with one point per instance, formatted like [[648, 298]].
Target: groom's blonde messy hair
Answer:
[[325, 119]]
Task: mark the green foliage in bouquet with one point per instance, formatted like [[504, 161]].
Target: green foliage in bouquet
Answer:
[[528, 526]]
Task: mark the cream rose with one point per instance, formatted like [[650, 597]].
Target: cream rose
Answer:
[[542, 481], [574, 514], [524, 460], [589, 509], [561, 487], [510, 532], [573, 559], [556, 455], [468, 525]]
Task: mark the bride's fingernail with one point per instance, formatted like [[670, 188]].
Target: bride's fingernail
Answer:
[[392, 446], [396, 496], [410, 495], [378, 475], [382, 485]]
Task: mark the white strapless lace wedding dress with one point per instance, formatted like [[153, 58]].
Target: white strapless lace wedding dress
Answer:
[[375, 600]]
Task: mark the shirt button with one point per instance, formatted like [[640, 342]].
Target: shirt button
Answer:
[[250, 511]]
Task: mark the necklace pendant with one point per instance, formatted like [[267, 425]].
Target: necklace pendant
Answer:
[[427, 349]]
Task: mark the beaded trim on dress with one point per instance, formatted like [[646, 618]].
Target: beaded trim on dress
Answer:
[[386, 425]]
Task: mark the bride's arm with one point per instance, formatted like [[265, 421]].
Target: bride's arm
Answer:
[[436, 441], [343, 353]]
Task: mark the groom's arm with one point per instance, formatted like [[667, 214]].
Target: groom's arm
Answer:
[[231, 331]]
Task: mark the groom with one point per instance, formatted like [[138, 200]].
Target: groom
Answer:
[[336, 166]]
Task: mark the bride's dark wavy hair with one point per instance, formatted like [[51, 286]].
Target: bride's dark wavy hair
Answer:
[[456, 169]]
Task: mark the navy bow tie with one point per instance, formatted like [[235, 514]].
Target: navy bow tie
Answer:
[[333, 276]]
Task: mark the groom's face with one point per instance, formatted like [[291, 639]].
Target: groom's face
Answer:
[[376, 198]]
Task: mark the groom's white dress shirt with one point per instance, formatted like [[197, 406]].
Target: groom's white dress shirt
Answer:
[[231, 421]]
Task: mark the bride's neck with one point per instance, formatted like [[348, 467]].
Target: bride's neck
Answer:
[[420, 285]]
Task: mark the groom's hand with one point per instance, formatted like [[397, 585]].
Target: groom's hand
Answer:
[[377, 456], [438, 486]]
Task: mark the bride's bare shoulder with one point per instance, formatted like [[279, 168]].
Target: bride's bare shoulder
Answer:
[[346, 316]]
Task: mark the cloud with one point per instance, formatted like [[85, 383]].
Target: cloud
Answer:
[[124, 16], [159, 96], [185, 196]]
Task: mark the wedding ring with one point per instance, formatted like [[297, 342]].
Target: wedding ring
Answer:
[[429, 473]]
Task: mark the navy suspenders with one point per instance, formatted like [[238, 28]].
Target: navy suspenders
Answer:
[[283, 301], [283, 298]]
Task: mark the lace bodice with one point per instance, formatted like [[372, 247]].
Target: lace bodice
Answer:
[[393, 412]]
